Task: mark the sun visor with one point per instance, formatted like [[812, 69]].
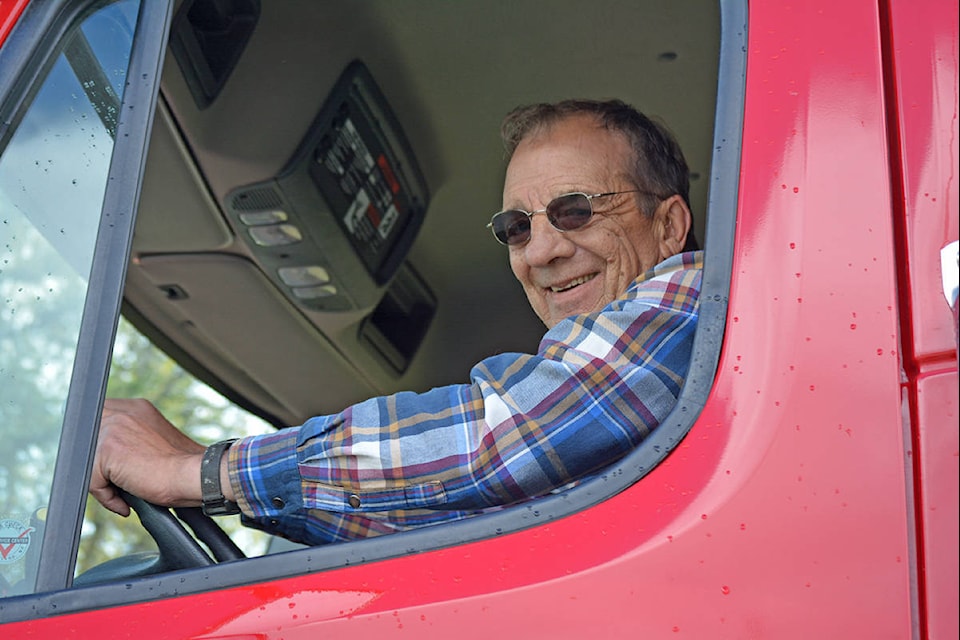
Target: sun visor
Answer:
[[332, 229]]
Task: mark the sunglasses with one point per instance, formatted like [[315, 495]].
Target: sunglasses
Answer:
[[568, 212]]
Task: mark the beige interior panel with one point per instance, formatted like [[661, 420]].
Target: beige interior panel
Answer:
[[229, 307], [176, 211]]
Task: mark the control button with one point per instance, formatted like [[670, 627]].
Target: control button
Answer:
[[256, 218], [318, 291], [275, 235], [303, 276]]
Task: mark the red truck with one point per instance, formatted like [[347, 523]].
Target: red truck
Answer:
[[159, 169]]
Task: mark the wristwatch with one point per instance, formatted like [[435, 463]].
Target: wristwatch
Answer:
[[214, 502]]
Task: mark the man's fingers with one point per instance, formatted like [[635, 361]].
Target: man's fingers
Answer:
[[110, 498]]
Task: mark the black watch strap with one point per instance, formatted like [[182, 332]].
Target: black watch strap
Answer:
[[214, 502]]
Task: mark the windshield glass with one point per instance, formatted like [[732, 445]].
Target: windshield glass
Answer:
[[52, 180]]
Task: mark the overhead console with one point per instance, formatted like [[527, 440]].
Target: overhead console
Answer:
[[319, 307], [334, 227]]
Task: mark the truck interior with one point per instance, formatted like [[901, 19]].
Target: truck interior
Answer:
[[263, 262], [310, 230], [236, 203]]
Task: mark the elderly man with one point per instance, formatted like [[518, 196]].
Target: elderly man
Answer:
[[598, 231]]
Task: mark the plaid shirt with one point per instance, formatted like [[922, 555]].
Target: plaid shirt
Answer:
[[524, 426]]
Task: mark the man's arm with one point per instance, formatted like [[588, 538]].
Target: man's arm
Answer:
[[526, 425]]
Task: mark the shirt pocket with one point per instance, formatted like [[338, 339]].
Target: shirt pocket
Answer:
[[336, 499]]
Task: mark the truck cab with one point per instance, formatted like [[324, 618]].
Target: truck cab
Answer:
[[252, 213]]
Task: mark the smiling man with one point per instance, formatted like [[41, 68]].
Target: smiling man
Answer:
[[597, 224], [592, 165]]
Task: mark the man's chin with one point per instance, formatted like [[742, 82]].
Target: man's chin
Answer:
[[556, 314]]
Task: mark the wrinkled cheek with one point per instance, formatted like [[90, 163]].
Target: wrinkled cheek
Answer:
[[627, 265]]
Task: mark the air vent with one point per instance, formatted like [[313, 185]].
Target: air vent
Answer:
[[256, 200]]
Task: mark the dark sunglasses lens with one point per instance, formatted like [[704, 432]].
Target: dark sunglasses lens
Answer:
[[511, 227], [569, 212]]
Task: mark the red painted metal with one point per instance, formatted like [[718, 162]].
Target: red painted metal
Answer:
[[788, 510], [10, 11], [923, 74]]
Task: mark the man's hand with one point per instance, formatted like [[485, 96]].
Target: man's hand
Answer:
[[141, 452]]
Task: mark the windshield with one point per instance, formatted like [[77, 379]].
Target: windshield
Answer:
[[52, 181]]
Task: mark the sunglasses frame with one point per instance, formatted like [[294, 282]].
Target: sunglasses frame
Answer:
[[553, 224]]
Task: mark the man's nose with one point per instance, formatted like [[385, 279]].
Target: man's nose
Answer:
[[546, 242]]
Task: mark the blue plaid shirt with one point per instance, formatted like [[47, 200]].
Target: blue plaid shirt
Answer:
[[525, 425]]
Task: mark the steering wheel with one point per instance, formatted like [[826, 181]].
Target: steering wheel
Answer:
[[176, 545], [177, 549]]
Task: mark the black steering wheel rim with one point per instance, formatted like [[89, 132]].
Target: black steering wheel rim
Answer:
[[178, 549]]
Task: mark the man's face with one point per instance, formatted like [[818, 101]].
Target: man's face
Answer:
[[581, 271]]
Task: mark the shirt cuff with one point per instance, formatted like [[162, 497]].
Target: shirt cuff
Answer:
[[266, 482]]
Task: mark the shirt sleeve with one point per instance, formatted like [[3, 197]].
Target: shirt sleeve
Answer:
[[524, 425]]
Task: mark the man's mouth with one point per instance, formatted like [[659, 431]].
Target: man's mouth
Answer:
[[573, 283]]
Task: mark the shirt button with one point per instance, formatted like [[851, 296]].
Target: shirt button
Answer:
[[278, 502], [354, 501]]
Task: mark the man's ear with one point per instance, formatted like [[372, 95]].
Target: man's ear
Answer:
[[673, 222]]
